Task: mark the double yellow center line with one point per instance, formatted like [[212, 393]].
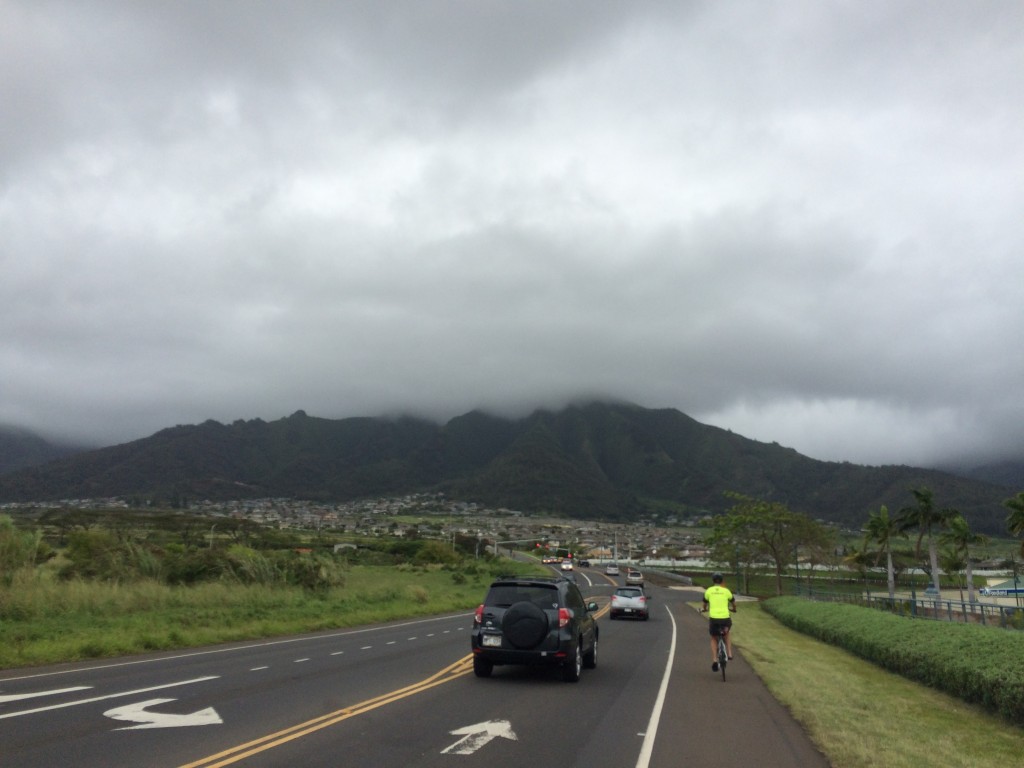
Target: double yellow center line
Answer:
[[460, 668]]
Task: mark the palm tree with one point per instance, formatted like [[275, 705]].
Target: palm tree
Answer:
[[953, 561], [882, 529], [1015, 520], [858, 559], [925, 517], [961, 538]]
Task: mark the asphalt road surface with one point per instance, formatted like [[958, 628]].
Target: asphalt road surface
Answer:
[[403, 694]]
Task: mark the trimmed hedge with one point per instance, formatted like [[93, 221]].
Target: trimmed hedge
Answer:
[[981, 665]]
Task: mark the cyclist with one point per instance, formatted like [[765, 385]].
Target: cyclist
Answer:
[[719, 602]]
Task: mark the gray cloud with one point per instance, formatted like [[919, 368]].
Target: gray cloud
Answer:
[[799, 221]]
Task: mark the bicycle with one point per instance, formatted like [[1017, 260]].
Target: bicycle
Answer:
[[723, 651], [723, 655]]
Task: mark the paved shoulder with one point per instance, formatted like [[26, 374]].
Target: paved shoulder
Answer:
[[708, 722]]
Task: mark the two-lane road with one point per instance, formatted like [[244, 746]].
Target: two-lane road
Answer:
[[403, 694]]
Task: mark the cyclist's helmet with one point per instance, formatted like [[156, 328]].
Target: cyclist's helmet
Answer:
[[716, 577]]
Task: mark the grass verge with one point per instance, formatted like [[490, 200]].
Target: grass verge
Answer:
[[43, 621], [861, 716]]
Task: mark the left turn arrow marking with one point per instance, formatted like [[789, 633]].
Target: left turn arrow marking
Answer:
[[136, 713]]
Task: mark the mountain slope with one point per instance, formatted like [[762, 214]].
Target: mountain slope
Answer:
[[597, 461], [20, 449]]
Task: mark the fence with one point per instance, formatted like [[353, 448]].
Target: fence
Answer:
[[926, 607]]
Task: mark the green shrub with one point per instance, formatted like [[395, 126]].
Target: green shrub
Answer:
[[436, 552], [18, 549], [981, 665], [419, 595]]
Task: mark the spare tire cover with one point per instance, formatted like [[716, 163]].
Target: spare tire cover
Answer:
[[525, 625]]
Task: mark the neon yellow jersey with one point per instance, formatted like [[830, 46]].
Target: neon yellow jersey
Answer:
[[718, 598]]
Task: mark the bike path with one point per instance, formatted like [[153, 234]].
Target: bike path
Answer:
[[713, 724]]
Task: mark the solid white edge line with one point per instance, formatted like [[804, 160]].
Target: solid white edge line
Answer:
[[652, 725]]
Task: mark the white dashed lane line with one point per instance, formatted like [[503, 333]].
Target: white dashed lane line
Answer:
[[412, 639]]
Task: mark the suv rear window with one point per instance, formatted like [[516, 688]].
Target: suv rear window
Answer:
[[504, 595], [624, 592]]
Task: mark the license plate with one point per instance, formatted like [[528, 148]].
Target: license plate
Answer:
[[491, 641], [627, 610]]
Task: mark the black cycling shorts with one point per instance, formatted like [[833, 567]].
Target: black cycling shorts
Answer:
[[715, 626]]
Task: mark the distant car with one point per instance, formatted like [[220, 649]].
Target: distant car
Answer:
[[567, 565], [634, 578], [629, 602], [611, 569], [584, 563]]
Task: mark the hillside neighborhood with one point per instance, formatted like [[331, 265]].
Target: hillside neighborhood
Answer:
[[434, 516]]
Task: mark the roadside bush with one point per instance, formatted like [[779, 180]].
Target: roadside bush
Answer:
[[436, 552], [247, 566], [192, 566], [314, 573], [103, 555], [981, 665], [18, 549]]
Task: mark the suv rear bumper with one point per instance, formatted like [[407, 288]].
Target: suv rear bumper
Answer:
[[551, 652], [512, 656]]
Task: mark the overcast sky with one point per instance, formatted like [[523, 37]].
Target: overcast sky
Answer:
[[801, 221]]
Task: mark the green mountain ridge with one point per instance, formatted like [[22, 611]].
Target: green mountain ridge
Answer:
[[596, 461]]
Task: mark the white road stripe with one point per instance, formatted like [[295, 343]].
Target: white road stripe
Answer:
[[19, 696], [109, 696], [652, 725]]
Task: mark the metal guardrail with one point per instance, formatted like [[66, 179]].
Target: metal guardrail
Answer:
[[927, 607]]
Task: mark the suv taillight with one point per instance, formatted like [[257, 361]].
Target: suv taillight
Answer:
[[563, 617], [478, 616]]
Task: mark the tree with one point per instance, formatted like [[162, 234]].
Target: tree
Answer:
[[1015, 520], [818, 548], [961, 538], [859, 559], [924, 517], [882, 529], [953, 562], [756, 531], [730, 542]]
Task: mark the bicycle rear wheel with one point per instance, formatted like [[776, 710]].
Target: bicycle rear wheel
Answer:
[[723, 657]]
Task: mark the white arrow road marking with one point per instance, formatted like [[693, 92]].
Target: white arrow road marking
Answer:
[[104, 698], [19, 696], [475, 736], [136, 713]]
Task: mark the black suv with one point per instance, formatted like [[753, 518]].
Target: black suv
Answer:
[[535, 620]]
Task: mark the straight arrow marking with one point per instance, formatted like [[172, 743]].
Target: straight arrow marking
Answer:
[[476, 736]]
